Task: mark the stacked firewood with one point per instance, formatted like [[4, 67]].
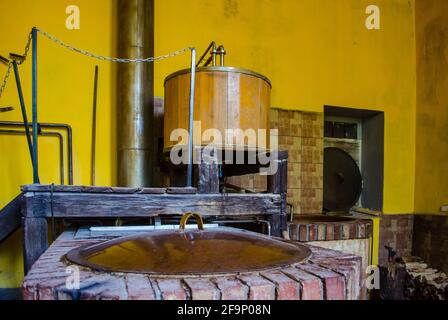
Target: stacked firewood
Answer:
[[423, 282]]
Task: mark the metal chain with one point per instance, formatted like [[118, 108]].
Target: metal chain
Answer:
[[19, 62], [27, 48], [86, 53], [104, 58], [5, 79]]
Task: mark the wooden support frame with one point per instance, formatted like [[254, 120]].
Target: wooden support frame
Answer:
[[42, 202], [278, 184], [35, 231], [113, 205], [10, 218], [208, 172]]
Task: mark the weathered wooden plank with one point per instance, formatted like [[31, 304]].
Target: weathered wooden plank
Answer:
[[278, 182], [182, 190], [153, 190], [66, 205], [35, 230], [124, 190], [235, 169], [278, 224], [35, 234], [91, 189], [208, 176], [10, 217]]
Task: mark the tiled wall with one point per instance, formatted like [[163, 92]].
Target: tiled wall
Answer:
[[301, 134]]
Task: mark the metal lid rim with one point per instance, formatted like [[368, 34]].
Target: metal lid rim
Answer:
[[220, 69]]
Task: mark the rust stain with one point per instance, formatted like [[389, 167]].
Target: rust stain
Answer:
[[230, 8], [434, 57]]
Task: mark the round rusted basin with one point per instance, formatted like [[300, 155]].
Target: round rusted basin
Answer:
[[190, 252]]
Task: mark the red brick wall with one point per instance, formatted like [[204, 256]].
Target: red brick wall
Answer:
[[327, 275], [396, 232], [430, 240]]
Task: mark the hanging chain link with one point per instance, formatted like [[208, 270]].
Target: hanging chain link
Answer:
[[19, 62], [27, 48], [104, 58], [86, 53], [5, 79]]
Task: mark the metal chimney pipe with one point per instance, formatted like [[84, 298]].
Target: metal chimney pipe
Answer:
[[135, 93]]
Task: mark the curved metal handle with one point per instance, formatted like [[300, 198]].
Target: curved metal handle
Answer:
[[186, 216], [211, 46]]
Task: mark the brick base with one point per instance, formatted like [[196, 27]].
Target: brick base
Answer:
[[396, 232], [317, 230], [328, 274]]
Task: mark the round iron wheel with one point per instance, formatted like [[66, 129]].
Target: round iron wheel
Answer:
[[342, 180]]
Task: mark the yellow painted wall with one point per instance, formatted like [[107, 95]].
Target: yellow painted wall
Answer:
[[315, 53], [65, 95], [432, 105]]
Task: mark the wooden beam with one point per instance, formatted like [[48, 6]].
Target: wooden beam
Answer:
[[10, 218], [72, 205], [278, 184], [208, 175], [35, 240]]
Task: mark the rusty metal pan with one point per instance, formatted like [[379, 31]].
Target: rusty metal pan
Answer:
[[214, 251]]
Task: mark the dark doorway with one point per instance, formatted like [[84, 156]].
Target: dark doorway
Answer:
[[371, 148]]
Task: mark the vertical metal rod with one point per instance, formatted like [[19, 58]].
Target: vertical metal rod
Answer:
[[190, 119], [22, 107], [34, 107], [93, 155]]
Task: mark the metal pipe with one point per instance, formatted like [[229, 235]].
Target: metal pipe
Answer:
[[59, 126], [49, 134], [34, 107], [61, 152], [93, 155], [268, 224], [211, 45], [209, 60], [23, 109], [191, 119], [135, 96], [222, 52], [213, 54], [69, 132], [291, 211]]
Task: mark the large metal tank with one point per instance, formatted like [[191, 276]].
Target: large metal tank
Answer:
[[225, 98]]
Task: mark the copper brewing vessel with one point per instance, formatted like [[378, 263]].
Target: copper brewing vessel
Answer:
[[224, 98]]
